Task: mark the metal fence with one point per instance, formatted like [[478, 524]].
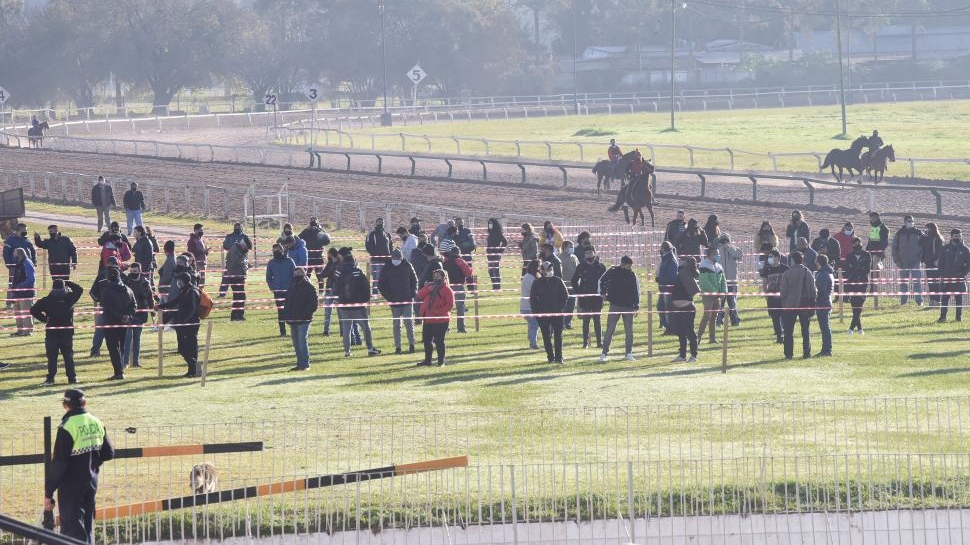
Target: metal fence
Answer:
[[670, 473]]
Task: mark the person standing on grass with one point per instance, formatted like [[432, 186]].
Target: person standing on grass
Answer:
[[235, 236], [296, 250], [22, 293], [409, 242], [113, 229], [298, 309], [57, 311], [398, 285], [16, 240], [166, 273], [144, 303], [185, 319], [353, 294], [691, 240], [712, 230], [908, 256], [548, 295], [808, 254], [954, 267], [134, 201], [547, 253], [824, 283], [765, 239], [415, 227], [447, 242], [61, 253], [857, 267], [316, 240], [682, 309], [675, 228], [465, 240], [621, 287], [440, 231], [80, 447], [144, 253], [333, 261], [379, 245], [437, 300], [552, 237], [115, 248], [496, 243], [525, 302], [569, 265], [199, 250], [771, 273], [237, 268], [103, 198], [95, 292], [586, 286], [828, 246], [932, 244], [529, 246], [118, 311], [279, 275], [459, 274], [798, 296], [876, 246], [731, 256], [712, 285], [844, 238], [797, 228], [666, 278]]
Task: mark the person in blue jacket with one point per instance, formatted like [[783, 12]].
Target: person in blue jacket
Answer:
[[279, 274], [666, 278], [296, 250]]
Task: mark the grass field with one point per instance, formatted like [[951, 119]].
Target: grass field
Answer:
[[937, 129]]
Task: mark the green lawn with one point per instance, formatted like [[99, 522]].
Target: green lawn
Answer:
[[937, 129]]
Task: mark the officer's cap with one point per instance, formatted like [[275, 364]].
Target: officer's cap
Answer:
[[73, 396]]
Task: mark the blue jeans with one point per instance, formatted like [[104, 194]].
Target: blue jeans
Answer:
[[823, 325], [299, 333], [98, 338], [911, 271], [132, 344], [533, 332], [134, 218], [375, 275], [663, 300], [732, 303]]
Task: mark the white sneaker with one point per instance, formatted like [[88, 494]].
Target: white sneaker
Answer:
[[692, 359], [861, 332], [603, 358], [679, 359], [629, 357], [850, 332]]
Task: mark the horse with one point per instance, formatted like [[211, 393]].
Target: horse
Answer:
[[846, 159], [637, 195], [876, 163], [606, 170], [35, 135]]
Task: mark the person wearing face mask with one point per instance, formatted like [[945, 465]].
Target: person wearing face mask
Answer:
[[666, 278], [731, 256], [95, 292], [440, 231], [103, 198], [529, 246], [398, 285], [315, 239], [415, 227], [465, 240], [824, 282], [907, 255], [796, 228], [692, 240], [333, 261], [683, 311], [237, 268], [585, 284], [378, 245], [798, 295], [932, 246], [287, 232], [115, 248], [296, 250], [134, 201], [496, 243], [771, 273], [199, 250], [954, 267], [552, 236], [57, 311], [113, 229], [764, 240], [61, 253], [144, 302], [828, 246], [569, 264], [712, 285], [844, 238], [525, 302], [437, 300], [185, 318], [548, 295], [166, 273], [298, 308], [232, 238], [351, 287], [118, 312], [144, 252], [279, 275], [808, 254], [857, 267], [621, 287], [22, 293], [547, 253], [459, 274], [16, 240]]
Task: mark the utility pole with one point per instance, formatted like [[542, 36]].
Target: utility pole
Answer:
[[838, 35], [673, 42], [575, 85], [386, 118]]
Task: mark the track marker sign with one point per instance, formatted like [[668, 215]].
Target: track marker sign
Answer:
[[416, 74], [313, 93], [4, 95]]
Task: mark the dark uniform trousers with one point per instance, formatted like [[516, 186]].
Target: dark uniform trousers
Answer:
[[76, 507], [60, 342]]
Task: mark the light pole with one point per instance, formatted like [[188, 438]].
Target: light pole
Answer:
[[386, 117], [838, 34], [575, 86], [673, 41]]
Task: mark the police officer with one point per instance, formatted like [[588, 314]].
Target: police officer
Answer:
[[81, 447]]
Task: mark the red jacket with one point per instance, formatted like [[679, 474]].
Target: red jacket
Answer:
[[845, 245], [121, 252], [438, 309]]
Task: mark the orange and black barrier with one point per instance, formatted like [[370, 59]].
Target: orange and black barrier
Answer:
[[150, 452]]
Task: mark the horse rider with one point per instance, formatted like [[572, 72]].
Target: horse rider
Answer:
[[33, 121], [614, 154], [875, 142]]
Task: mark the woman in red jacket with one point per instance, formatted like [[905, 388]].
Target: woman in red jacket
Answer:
[[437, 300]]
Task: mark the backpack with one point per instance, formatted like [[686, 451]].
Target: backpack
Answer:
[[205, 304]]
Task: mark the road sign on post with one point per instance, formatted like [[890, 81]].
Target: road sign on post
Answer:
[[416, 75], [270, 99], [313, 93], [4, 95]]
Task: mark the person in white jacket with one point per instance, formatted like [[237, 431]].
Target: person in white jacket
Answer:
[[731, 256], [525, 305]]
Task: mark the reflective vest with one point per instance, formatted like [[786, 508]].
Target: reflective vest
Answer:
[[874, 233], [87, 433]]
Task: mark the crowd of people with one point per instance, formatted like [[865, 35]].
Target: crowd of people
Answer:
[[425, 275]]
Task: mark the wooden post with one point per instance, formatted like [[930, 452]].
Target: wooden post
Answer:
[[43, 266], [841, 284], [724, 343], [477, 319], [161, 352], [205, 357], [874, 279], [649, 324]]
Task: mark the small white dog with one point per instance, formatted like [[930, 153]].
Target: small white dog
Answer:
[[203, 478]]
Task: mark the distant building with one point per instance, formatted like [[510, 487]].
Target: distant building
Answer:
[[892, 42]]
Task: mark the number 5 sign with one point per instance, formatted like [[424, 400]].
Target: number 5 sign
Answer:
[[416, 74], [4, 95]]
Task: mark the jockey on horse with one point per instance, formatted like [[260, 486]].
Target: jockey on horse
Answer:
[[614, 155], [873, 143]]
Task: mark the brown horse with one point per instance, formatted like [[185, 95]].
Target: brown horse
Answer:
[[637, 195], [35, 135], [606, 170], [876, 164]]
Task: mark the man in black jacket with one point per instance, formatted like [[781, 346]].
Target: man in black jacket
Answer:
[[549, 296], [954, 267], [298, 309], [143, 253], [102, 198], [57, 311], [621, 288], [351, 287], [61, 253], [379, 245], [144, 303], [118, 312], [186, 321], [316, 240], [675, 228], [398, 285], [134, 201]]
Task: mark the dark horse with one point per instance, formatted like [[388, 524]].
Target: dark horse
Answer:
[[846, 159], [605, 170], [637, 195], [875, 163], [35, 135]]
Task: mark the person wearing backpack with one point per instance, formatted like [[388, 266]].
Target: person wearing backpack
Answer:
[[185, 320]]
